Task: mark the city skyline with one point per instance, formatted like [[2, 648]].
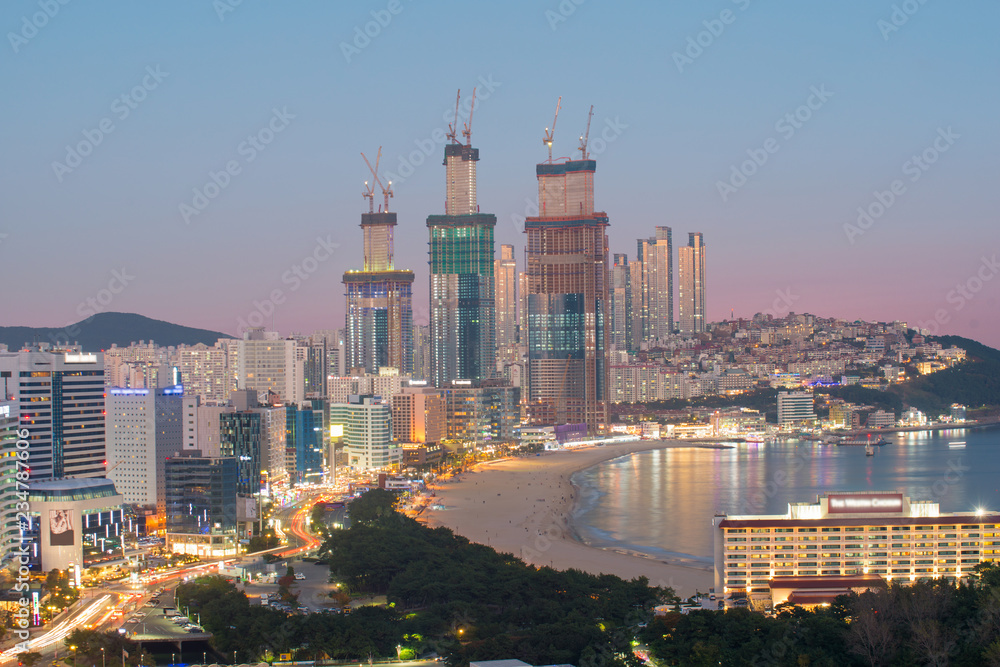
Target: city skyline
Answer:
[[770, 156]]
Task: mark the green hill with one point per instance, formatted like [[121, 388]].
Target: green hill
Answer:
[[974, 383], [98, 332]]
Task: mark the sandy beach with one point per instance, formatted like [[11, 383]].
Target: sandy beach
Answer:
[[522, 506]]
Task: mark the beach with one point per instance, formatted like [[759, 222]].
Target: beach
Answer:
[[523, 506]]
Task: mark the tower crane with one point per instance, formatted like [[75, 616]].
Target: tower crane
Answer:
[[586, 135], [453, 127], [386, 191], [467, 132], [369, 191], [549, 133]]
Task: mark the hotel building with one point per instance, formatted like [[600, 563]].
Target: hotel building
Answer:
[[851, 535]]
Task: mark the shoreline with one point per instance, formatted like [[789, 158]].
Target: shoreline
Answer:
[[535, 495]]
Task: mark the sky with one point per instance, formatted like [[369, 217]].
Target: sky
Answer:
[[200, 162]]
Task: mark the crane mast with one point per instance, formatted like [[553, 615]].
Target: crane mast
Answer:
[[549, 133], [586, 136]]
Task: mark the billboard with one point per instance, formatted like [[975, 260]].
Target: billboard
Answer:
[[61, 533], [864, 503]]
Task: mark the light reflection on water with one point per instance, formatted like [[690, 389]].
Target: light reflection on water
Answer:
[[661, 502]]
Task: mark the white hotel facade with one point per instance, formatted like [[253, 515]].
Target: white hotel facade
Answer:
[[852, 534]]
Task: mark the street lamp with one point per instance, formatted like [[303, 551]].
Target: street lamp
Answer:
[[103, 663], [173, 658], [73, 648], [234, 657], [204, 657]]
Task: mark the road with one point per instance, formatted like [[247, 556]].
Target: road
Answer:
[[105, 608]]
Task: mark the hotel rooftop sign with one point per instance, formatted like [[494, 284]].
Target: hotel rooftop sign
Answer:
[[864, 503]]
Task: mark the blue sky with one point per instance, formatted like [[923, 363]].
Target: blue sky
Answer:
[[677, 116]]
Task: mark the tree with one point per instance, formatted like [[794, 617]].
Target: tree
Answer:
[[28, 659], [374, 508]]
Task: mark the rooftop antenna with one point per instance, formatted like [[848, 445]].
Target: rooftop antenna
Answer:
[[549, 133], [453, 127], [586, 135], [467, 132]]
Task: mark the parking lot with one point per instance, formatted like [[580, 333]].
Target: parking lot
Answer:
[[157, 619], [313, 588]]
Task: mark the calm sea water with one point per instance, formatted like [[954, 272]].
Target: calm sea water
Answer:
[[661, 502]]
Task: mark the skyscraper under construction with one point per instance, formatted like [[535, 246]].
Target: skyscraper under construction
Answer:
[[462, 319], [567, 296], [379, 297]]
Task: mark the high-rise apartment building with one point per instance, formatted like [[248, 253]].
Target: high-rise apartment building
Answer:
[[10, 532], [462, 317], [621, 303], [205, 371], [505, 271], [59, 395], [567, 293], [268, 362], [379, 302], [656, 255], [366, 425], [419, 415], [480, 413], [691, 284], [143, 427], [635, 278]]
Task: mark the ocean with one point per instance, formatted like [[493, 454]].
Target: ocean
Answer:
[[661, 502]]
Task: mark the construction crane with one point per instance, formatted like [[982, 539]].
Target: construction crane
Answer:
[[453, 127], [386, 191], [467, 132], [586, 135], [549, 133], [369, 191]]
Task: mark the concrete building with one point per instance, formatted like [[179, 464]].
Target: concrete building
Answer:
[[74, 522], [243, 438], [567, 293], [59, 395], [691, 284], [419, 415], [365, 424], [143, 427], [795, 407], [657, 290], [379, 316], [849, 535], [462, 290], [481, 413], [265, 362], [205, 372], [201, 505], [505, 272], [304, 431], [201, 426]]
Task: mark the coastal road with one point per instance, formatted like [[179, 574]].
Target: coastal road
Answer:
[[89, 611]]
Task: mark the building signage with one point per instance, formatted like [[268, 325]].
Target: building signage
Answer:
[[862, 503], [80, 358]]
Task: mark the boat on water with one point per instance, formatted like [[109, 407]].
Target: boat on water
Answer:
[[869, 450], [957, 445]]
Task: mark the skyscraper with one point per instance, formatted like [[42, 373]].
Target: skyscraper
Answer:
[[567, 293], [621, 303], [59, 394], [691, 284], [505, 270], [461, 274], [657, 259], [379, 302], [268, 362]]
